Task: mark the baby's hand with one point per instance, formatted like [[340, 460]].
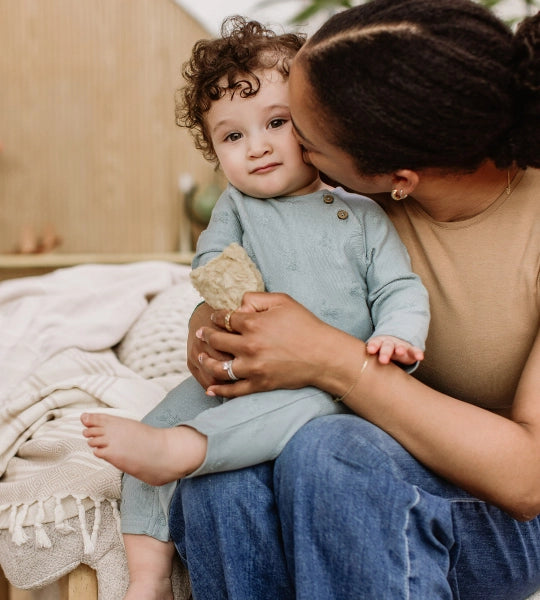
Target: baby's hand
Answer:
[[394, 349]]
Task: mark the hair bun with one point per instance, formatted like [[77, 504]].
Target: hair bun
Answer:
[[527, 54], [525, 137]]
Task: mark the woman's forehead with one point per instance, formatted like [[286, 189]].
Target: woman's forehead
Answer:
[[301, 101]]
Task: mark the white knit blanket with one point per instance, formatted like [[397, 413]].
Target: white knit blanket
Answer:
[[56, 361]]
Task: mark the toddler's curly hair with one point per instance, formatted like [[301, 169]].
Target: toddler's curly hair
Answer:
[[243, 48]]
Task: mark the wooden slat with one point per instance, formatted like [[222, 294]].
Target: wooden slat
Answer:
[[53, 260], [4, 586], [16, 594], [26, 265], [87, 125], [80, 584]]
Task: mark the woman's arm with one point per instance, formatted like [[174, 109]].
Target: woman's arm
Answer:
[[493, 457]]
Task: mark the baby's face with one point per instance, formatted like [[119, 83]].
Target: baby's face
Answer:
[[254, 141]]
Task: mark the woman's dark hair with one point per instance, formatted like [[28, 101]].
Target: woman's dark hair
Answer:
[[243, 48], [419, 84]]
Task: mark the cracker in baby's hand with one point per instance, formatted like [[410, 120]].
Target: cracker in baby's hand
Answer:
[[224, 280]]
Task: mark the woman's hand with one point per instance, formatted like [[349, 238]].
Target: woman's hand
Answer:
[[196, 346], [277, 344]]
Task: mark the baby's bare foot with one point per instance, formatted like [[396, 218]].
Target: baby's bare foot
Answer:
[[153, 455]]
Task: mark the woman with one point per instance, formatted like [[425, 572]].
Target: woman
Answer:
[[432, 489]]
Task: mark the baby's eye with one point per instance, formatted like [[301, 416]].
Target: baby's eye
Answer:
[[275, 123], [232, 137]]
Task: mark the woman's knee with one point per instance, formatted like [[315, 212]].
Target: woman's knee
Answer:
[[326, 438], [340, 446], [336, 449]]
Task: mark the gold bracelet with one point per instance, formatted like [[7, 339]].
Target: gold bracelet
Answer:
[[341, 398]]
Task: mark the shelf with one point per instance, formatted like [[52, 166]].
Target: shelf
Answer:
[[26, 265], [55, 261]]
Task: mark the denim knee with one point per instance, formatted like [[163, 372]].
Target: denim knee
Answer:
[[341, 435], [342, 492], [352, 439]]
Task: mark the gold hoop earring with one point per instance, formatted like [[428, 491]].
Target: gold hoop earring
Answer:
[[397, 196]]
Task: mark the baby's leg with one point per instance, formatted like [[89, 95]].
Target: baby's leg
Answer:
[[150, 567], [144, 508], [252, 429]]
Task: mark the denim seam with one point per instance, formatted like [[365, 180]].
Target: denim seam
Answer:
[[407, 549], [471, 500], [347, 460]]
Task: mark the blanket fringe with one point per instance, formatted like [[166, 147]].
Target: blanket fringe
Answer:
[[88, 547], [116, 515], [19, 512], [60, 517], [42, 539], [19, 535]]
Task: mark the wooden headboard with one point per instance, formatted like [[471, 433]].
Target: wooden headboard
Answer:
[[90, 144]]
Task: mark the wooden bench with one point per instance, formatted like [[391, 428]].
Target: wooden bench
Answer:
[[80, 584]]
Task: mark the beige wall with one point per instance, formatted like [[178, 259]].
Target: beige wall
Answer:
[[87, 122]]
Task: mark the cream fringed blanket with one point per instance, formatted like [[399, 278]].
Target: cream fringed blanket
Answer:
[[57, 360], [49, 472]]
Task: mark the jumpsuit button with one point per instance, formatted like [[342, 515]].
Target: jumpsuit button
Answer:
[[328, 198], [342, 214]]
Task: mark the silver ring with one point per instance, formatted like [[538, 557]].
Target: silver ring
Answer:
[[227, 366]]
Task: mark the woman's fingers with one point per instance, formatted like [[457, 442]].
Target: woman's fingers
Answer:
[[197, 345], [220, 372], [252, 302], [224, 319]]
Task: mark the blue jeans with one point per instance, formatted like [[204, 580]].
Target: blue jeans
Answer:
[[346, 513]]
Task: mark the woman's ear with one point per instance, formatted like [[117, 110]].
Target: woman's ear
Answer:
[[405, 181]]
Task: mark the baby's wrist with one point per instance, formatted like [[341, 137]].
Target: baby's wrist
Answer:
[[408, 368]]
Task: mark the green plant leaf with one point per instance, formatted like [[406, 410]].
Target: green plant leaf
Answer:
[[317, 6]]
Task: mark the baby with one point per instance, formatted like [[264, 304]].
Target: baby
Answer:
[[335, 252]]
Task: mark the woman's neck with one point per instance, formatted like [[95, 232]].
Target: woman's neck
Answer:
[[450, 197]]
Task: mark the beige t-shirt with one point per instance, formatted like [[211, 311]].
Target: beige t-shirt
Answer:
[[483, 278]]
